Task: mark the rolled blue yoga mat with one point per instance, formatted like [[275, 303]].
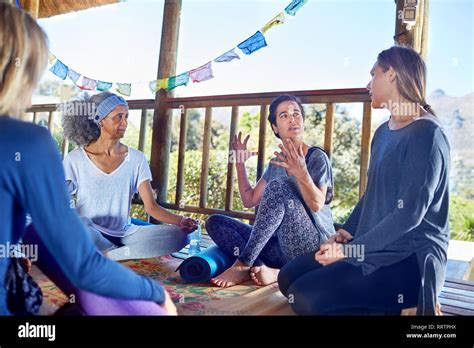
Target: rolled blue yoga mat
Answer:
[[202, 267]]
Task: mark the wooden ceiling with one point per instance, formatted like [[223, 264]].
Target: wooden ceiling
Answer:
[[50, 8]]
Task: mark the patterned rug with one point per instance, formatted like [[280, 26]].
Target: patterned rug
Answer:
[[190, 299]]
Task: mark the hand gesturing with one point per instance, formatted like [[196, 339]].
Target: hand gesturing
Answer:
[[241, 153], [292, 159]]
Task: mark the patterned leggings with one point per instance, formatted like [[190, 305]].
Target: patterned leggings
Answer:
[[282, 231]]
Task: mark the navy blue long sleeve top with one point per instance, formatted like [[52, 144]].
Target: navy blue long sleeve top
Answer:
[[404, 209], [32, 182]]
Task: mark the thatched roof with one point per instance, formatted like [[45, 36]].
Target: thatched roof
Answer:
[[50, 8]]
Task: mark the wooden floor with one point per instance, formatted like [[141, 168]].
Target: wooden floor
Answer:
[[456, 298]]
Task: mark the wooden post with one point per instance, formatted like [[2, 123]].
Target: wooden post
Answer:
[[417, 36], [365, 146], [402, 35], [142, 136], [329, 128], [206, 142], [161, 139], [262, 140], [64, 147], [229, 192], [183, 131], [50, 121], [424, 29], [32, 7]]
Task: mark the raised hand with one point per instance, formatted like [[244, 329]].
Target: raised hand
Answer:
[[292, 159], [240, 148]]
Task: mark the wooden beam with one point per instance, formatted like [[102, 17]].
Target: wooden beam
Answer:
[[209, 211], [229, 192], [161, 139], [193, 209], [206, 143], [350, 95], [365, 146], [347, 95], [32, 7], [329, 128]]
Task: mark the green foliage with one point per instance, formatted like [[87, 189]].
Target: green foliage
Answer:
[[138, 212], [461, 218]]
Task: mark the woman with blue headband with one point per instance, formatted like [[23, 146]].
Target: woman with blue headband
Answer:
[[103, 175]]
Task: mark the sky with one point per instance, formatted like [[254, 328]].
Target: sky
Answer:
[[328, 44]]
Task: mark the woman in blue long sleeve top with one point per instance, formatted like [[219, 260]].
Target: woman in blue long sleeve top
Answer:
[[32, 179], [391, 254]]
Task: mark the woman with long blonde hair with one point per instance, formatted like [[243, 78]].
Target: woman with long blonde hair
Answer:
[[32, 182]]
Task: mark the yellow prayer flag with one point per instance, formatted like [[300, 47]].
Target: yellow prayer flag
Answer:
[[277, 20], [157, 85], [51, 57]]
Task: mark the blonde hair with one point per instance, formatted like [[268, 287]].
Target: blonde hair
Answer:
[[411, 73], [23, 58]]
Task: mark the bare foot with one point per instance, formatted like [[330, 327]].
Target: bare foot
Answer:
[[236, 274], [263, 275]]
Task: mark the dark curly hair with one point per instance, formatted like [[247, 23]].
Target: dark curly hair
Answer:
[[77, 118]]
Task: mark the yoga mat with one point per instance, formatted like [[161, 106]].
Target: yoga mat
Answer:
[[202, 267], [139, 222]]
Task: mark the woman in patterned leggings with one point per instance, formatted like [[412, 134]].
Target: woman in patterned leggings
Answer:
[[293, 197]]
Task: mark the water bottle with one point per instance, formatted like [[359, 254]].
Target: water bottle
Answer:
[[195, 242]]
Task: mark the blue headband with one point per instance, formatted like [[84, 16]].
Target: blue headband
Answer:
[[106, 107]]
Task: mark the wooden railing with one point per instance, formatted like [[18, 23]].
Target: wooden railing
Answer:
[[328, 97]]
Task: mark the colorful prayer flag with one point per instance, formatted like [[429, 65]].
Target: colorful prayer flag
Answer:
[[124, 89], [51, 57], [277, 20], [202, 73], [227, 57], [157, 85], [88, 84], [180, 80], [253, 43], [103, 86], [294, 6], [59, 69], [73, 75]]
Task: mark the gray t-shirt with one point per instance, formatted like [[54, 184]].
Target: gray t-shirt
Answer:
[[106, 198], [319, 168]]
